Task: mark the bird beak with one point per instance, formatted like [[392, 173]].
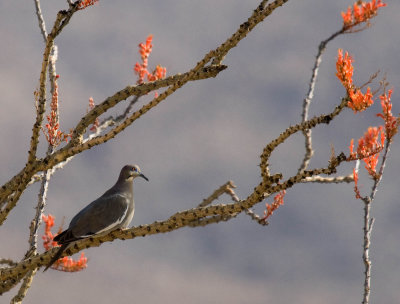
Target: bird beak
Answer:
[[142, 175]]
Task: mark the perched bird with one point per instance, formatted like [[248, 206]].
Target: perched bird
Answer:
[[113, 210]]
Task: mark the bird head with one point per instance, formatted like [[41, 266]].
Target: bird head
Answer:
[[129, 172]]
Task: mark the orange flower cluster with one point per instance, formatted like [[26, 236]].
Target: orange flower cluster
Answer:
[[278, 201], [141, 68], [96, 123], [368, 149], [85, 3], [369, 146], [361, 12], [391, 122], [48, 237], [344, 71], [52, 132], [66, 264]]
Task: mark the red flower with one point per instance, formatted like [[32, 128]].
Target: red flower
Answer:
[[278, 201], [359, 101], [85, 3], [344, 71], [368, 149], [51, 131], [391, 122], [362, 12], [66, 263], [141, 68], [146, 48]]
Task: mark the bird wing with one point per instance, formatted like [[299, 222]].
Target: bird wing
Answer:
[[102, 215]]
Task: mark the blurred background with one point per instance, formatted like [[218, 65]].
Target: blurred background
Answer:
[[207, 133]]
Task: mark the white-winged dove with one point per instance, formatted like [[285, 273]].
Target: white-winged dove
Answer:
[[113, 210]]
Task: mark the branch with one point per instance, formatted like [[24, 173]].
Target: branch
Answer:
[[139, 90], [62, 19], [35, 224], [24, 287], [42, 25], [368, 225], [329, 180], [204, 215], [112, 121], [307, 101], [255, 217], [306, 125], [225, 188], [260, 13]]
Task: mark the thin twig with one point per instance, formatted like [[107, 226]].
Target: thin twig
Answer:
[[42, 25], [35, 224], [256, 217], [329, 180], [368, 225], [225, 188], [307, 101], [112, 121]]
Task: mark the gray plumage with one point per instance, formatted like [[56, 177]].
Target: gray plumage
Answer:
[[113, 210]]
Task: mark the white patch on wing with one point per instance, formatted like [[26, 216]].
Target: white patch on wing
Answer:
[[114, 224]]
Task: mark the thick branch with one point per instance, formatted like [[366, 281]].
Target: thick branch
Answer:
[[139, 90], [26, 284], [176, 221]]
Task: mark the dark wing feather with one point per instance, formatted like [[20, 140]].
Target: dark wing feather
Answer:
[[104, 214], [65, 237]]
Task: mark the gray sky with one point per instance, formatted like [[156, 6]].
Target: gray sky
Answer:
[[207, 133]]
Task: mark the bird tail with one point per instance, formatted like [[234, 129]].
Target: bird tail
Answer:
[[56, 256]]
